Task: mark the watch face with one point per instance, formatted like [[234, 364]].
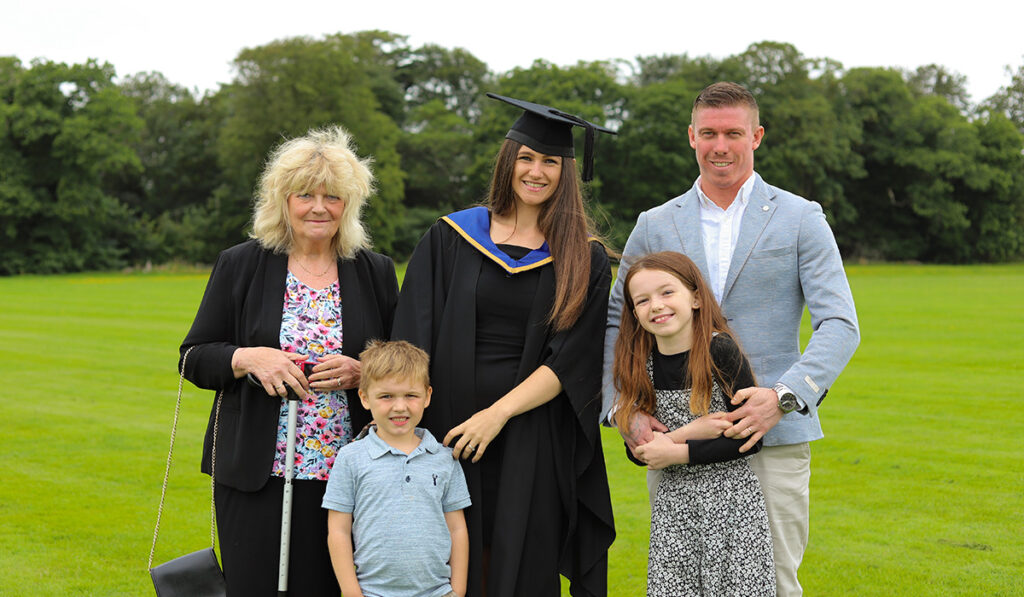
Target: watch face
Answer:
[[787, 402]]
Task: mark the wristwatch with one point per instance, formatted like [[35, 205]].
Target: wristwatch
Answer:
[[787, 399]]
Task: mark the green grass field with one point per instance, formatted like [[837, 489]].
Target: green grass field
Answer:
[[917, 489]]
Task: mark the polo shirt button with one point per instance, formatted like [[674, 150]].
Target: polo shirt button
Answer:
[[408, 478]]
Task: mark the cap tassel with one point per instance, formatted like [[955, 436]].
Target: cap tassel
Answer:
[[588, 154], [588, 143]]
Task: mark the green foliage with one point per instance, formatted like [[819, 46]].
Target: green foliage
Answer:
[[437, 154], [934, 179], [934, 79], [439, 144], [97, 175], [700, 71], [454, 78], [1009, 100], [650, 160], [287, 87], [67, 139], [916, 488], [176, 146], [177, 149]]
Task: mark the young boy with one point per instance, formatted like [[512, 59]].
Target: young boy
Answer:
[[397, 494]]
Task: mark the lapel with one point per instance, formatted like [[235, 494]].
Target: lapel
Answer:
[[759, 211], [686, 222], [352, 311], [273, 286]]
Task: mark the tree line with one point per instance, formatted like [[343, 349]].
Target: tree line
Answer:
[[100, 172]]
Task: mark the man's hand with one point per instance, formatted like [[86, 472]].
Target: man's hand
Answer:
[[641, 430], [759, 413]]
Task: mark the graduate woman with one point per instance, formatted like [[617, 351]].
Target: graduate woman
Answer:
[[510, 300]]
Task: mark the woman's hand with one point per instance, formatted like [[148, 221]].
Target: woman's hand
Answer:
[[275, 369], [480, 430], [709, 426], [662, 451], [335, 372], [477, 433]]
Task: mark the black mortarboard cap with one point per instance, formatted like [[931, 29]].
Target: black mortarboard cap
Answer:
[[549, 131]]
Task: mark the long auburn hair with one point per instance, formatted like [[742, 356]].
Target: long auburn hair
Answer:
[[564, 223], [633, 387]]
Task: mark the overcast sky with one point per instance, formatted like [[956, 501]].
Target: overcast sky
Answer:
[[193, 42]]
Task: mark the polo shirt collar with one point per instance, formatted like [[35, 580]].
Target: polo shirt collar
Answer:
[[378, 447]]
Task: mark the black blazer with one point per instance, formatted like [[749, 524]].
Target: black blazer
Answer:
[[242, 307]]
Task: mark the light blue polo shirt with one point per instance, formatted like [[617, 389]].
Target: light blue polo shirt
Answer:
[[398, 500]]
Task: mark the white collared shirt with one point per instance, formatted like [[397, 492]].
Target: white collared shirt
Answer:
[[720, 228]]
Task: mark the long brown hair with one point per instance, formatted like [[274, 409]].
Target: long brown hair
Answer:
[[563, 222], [633, 387]]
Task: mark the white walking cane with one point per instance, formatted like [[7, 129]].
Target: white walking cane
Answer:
[[286, 502]]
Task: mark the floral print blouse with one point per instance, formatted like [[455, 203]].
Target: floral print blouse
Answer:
[[311, 325]]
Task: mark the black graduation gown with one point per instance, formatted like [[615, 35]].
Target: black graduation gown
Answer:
[[552, 472]]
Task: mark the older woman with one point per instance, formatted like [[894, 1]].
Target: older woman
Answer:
[[510, 301], [306, 288]]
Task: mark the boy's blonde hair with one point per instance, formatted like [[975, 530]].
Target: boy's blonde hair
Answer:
[[397, 359]]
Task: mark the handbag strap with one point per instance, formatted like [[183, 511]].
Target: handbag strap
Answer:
[[170, 454]]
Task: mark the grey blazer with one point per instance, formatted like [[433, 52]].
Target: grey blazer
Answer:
[[785, 257]]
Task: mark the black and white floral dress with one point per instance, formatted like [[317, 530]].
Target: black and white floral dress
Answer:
[[709, 528]]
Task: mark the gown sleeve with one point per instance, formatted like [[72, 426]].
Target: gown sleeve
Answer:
[[422, 298], [575, 355], [737, 374], [385, 291]]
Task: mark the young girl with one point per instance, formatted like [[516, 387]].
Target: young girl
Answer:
[[676, 359]]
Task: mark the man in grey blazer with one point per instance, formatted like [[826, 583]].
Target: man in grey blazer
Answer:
[[765, 253]]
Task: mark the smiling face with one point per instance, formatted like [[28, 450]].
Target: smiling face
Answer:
[[397, 407], [536, 176], [664, 306], [724, 139], [315, 215]]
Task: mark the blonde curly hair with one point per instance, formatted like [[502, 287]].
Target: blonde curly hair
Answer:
[[322, 157]]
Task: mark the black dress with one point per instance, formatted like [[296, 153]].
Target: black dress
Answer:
[[540, 495], [502, 318]]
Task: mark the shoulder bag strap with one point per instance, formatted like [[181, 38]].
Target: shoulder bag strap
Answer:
[[170, 454]]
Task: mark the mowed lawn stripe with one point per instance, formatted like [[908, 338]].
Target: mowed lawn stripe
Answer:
[[917, 489]]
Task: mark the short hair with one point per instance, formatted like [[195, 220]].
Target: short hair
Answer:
[[725, 95], [396, 359], [322, 157]]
